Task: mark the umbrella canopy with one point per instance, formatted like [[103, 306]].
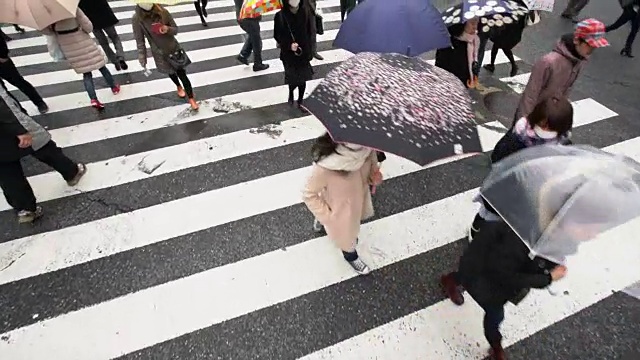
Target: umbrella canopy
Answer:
[[37, 14], [555, 197], [397, 104], [408, 27], [492, 13], [255, 8]]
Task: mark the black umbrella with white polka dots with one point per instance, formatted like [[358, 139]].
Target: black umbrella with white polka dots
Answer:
[[397, 104], [492, 13]]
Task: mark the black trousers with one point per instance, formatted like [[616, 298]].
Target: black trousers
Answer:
[[253, 41], [14, 184], [181, 75], [628, 15], [493, 318], [9, 72]]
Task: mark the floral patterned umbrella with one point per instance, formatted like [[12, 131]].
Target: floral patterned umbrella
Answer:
[[492, 13], [397, 104]]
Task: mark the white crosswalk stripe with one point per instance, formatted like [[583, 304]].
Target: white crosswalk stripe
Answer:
[[187, 238]]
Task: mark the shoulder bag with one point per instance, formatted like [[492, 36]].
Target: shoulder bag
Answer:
[[177, 59]]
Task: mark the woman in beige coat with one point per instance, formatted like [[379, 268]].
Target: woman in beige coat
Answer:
[[337, 193], [82, 53]]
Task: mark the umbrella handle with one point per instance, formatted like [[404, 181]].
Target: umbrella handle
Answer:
[[408, 50]]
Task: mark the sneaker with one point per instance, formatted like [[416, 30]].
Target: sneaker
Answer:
[[97, 104], [43, 108], [360, 267], [451, 289], [317, 226], [123, 65], [28, 217], [82, 169], [260, 67], [117, 66], [116, 89], [194, 104], [181, 92]]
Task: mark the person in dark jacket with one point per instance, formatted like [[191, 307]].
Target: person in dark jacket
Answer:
[[293, 29], [461, 59], [104, 22], [549, 123], [21, 136], [253, 40], [630, 14], [9, 72], [496, 269]]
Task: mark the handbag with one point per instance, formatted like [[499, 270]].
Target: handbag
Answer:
[[177, 59], [319, 25]]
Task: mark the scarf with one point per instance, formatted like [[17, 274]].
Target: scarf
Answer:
[[346, 158], [473, 43], [534, 136]]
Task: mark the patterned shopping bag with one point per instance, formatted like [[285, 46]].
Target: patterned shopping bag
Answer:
[[255, 8]]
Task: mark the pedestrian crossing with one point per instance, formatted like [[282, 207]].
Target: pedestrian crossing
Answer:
[[187, 238]]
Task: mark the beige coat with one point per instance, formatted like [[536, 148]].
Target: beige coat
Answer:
[[78, 47], [341, 200]]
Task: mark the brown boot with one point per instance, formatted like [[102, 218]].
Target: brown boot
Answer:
[[181, 92], [451, 289], [497, 352]]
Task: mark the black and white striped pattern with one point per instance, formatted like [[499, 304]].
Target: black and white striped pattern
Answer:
[[212, 256]]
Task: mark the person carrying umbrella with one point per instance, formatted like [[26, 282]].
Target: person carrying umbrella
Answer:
[[253, 41], [20, 136], [549, 123], [293, 29], [337, 193], [104, 22], [82, 53], [461, 59], [555, 73]]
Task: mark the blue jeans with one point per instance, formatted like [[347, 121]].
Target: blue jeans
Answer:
[[87, 78]]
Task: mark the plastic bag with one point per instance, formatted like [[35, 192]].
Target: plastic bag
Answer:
[[54, 48]]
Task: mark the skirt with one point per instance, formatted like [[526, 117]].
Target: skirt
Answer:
[[298, 74]]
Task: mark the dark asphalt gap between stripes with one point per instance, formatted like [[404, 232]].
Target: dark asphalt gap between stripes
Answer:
[[31, 50], [614, 324], [103, 279], [159, 138], [69, 289], [124, 108]]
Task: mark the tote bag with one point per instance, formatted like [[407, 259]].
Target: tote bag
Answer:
[[54, 48]]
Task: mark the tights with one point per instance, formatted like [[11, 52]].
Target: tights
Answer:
[[301, 88], [201, 9], [179, 76]]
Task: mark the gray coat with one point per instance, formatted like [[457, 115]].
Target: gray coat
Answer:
[[14, 121], [161, 44]]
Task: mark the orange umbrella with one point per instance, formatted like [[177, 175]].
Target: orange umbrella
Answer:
[[37, 14]]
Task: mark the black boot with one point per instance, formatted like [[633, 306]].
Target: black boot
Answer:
[[626, 52]]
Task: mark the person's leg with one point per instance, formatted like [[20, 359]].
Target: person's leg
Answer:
[[182, 75], [17, 190], [302, 87], [482, 48], [292, 87], [89, 86], [104, 44], [493, 318], [199, 11], [635, 26], [246, 50], [53, 156], [19, 29], [491, 67], [627, 15], [204, 7], [343, 9], [252, 28], [115, 39], [356, 262], [512, 60], [106, 74], [314, 46], [9, 72], [179, 88]]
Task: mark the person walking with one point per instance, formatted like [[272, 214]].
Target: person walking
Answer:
[[337, 193], [201, 9], [253, 40], [6, 37], [630, 14], [20, 136], [573, 9], [554, 74], [10, 73], [314, 37], [346, 6], [461, 58], [293, 28], [104, 25], [82, 53], [155, 23]]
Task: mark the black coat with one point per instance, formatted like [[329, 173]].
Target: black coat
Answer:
[[99, 12], [496, 267], [454, 59], [302, 26], [10, 128]]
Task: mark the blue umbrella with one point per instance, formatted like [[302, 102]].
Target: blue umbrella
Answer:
[[408, 27]]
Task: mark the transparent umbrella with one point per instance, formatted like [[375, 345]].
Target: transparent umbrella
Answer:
[[554, 197]]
